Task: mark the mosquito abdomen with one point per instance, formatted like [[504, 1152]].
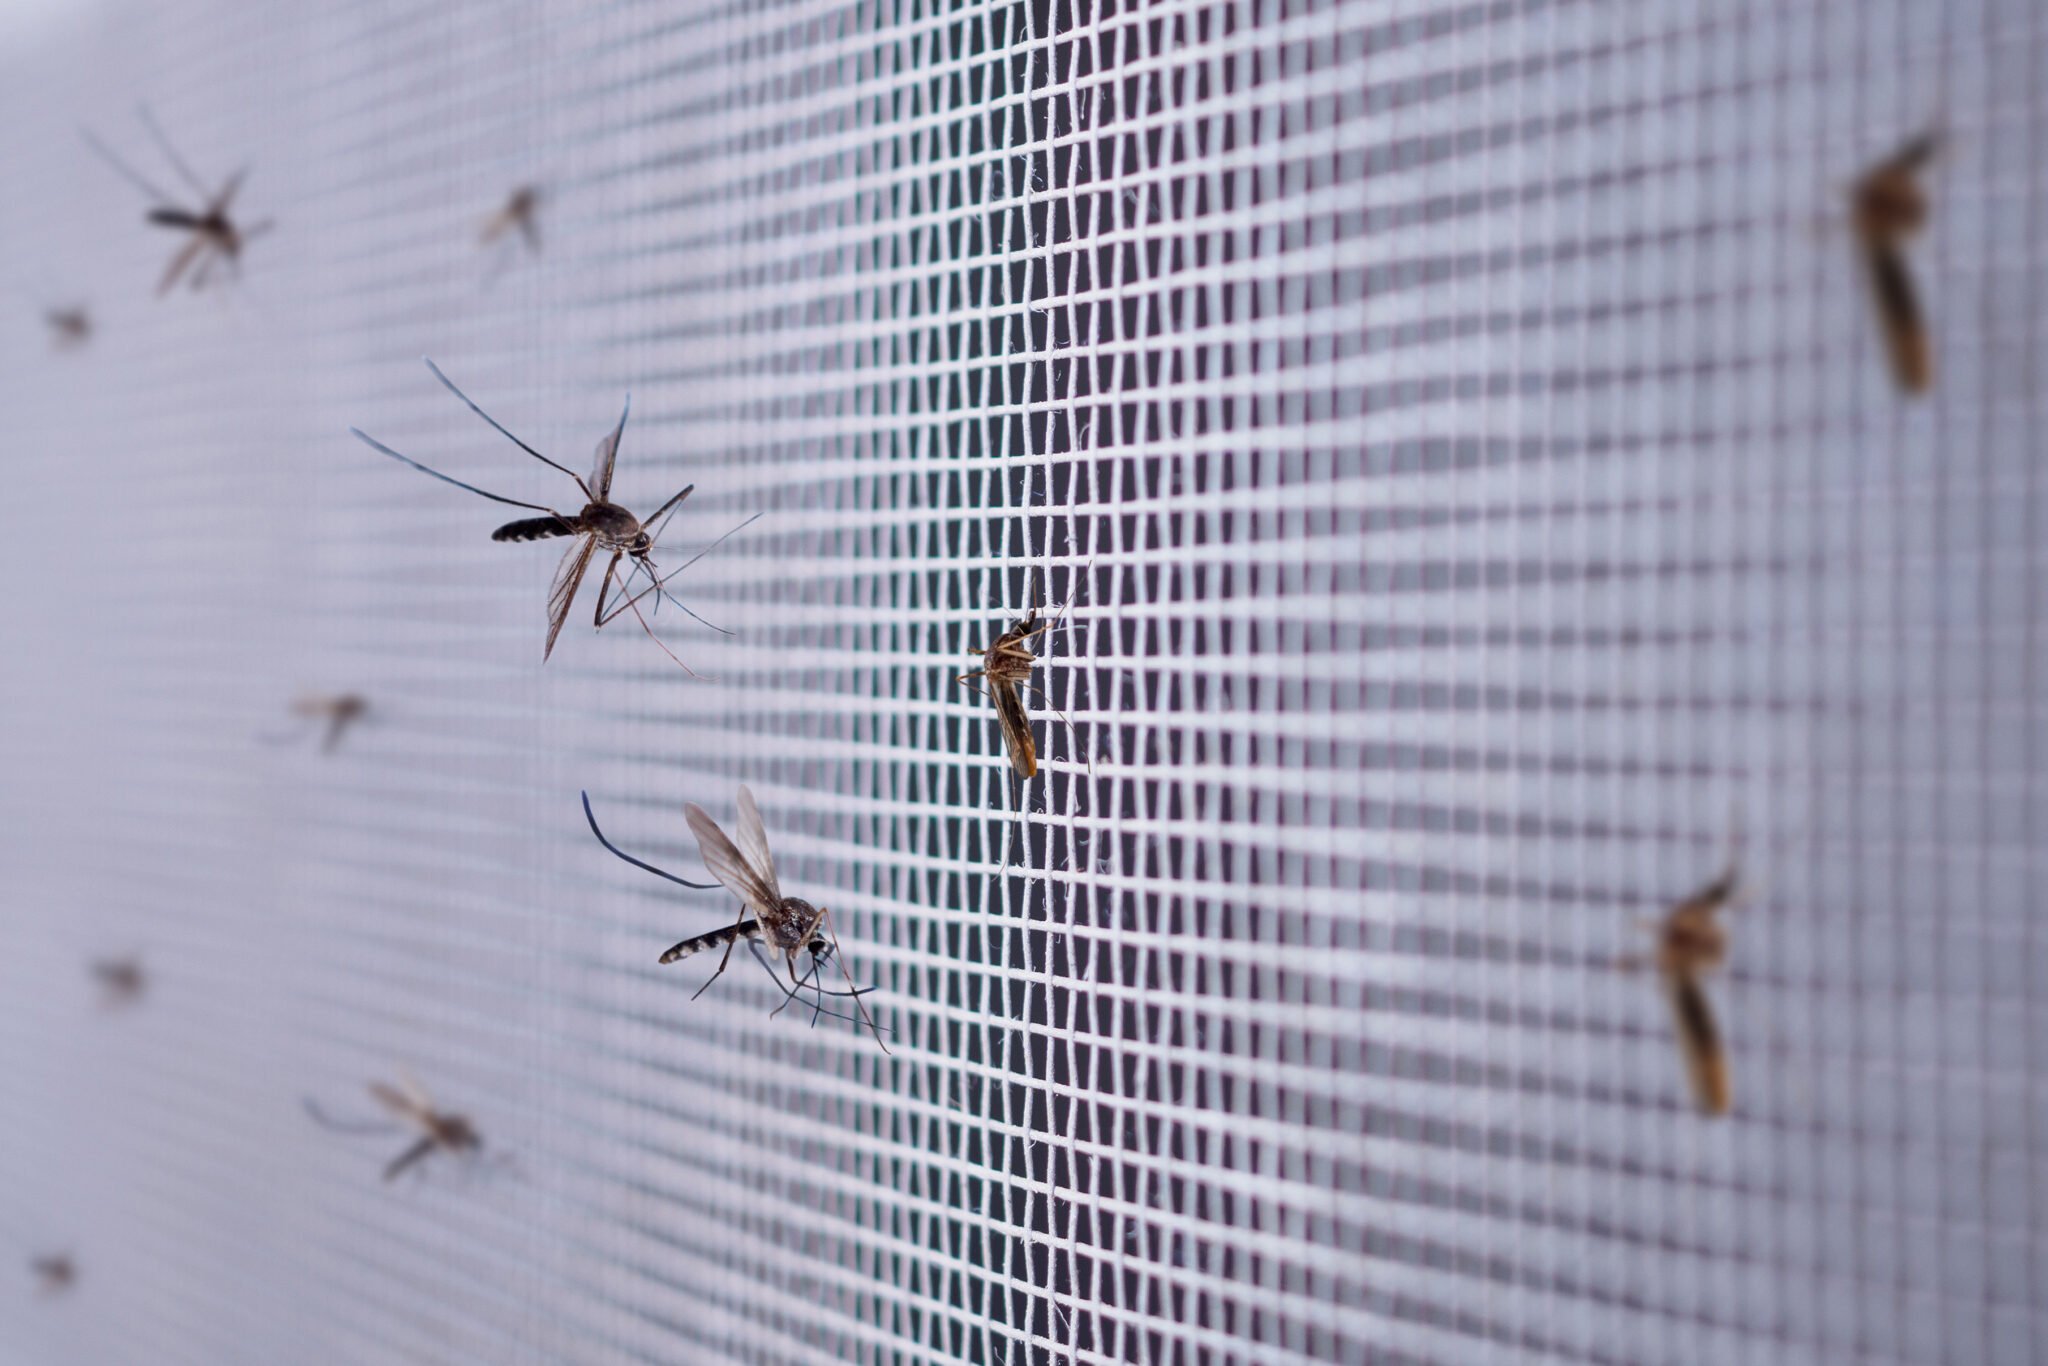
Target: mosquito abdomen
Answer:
[[712, 939], [534, 529]]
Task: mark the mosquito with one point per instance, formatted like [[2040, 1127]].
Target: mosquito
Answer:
[[121, 980], [1006, 663], [214, 236], [70, 328], [338, 710], [1888, 205], [814, 943], [601, 525], [56, 1274], [409, 1104], [519, 212], [1690, 942]]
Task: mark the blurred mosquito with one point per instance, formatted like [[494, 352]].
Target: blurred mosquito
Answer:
[[338, 710], [1690, 942], [70, 328], [214, 236], [519, 213], [409, 1105], [792, 922], [1006, 663], [54, 1275], [601, 525], [121, 981], [1888, 206]]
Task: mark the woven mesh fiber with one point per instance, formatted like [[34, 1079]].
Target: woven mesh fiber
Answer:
[[1456, 445]]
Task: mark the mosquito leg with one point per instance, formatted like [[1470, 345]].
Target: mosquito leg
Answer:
[[661, 584], [858, 1004], [725, 957], [408, 1157], [632, 602], [761, 957], [1072, 734], [603, 587]]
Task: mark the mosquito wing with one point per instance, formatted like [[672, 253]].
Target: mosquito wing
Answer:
[[607, 456], [1016, 723], [753, 843], [568, 578], [1699, 1042], [401, 1105], [729, 866]]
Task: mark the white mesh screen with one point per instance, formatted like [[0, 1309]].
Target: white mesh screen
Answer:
[[1462, 434]]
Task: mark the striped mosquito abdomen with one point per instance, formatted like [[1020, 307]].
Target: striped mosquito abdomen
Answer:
[[535, 529], [714, 939]]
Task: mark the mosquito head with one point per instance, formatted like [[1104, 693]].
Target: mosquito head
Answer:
[[641, 546], [820, 949], [810, 937]]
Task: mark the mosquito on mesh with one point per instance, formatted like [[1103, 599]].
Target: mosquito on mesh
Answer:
[[409, 1105], [54, 1274], [70, 328], [1006, 663], [519, 214], [213, 233], [1691, 942], [121, 980], [601, 525], [338, 710], [1888, 205], [785, 925]]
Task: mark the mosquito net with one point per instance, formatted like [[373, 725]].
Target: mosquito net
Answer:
[[1456, 444]]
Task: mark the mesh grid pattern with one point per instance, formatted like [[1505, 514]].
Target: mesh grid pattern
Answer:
[[1457, 436]]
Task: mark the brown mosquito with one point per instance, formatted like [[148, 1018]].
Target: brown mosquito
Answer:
[[1690, 943], [520, 213], [214, 236], [55, 1274], [338, 710], [121, 980], [1888, 205], [785, 925], [70, 328], [601, 525], [1006, 663], [409, 1105]]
